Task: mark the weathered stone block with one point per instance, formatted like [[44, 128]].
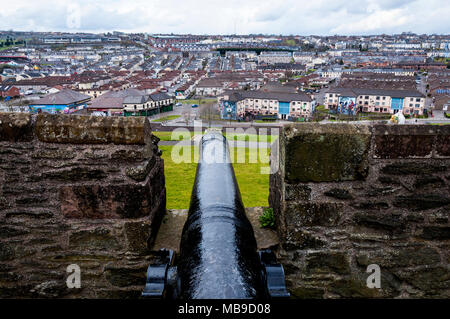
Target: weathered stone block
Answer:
[[428, 181], [123, 276], [387, 221], [374, 191], [113, 201], [99, 238], [312, 214], [326, 153], [326, 262], [127, 155], [443, 143], [295, 192], [139, 173], [376, 205], [15, 127], [54, 128], [394, 141], [436, 232], [401, 257], [431, 280], [75, 174], [10, 231], [31, 200], [339, 193], [58, 154], [300, 239], [421, 201], [30, 212], [413, 168]]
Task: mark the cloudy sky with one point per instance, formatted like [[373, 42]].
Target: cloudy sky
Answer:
[[302, 17]]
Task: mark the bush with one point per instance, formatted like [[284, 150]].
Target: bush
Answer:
[[267, 219]]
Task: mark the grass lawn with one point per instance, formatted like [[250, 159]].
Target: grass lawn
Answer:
[[167, 136], [197, 101], [253, 185], [166, 118], [264, 121]]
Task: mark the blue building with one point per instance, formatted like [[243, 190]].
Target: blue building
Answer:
[[65, 101]]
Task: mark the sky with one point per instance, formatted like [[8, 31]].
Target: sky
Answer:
[[290, 17]]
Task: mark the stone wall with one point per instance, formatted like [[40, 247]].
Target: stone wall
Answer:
[[347, 196], [77, 190]]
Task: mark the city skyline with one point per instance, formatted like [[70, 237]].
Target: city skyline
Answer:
[[212, 17]]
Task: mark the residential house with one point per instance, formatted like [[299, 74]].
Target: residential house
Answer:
[[65, 101]]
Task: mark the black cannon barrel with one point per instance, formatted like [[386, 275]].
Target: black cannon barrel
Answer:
[[218, 252], [218, 256]]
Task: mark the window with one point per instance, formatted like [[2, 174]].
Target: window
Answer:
[[417, 100], [384, 98], [377, 103], [378, 97], [376, 109], [367, 97], [417, 105], [410, 105]]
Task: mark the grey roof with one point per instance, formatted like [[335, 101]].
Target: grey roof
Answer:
[[275, 86], [382, 92], [159, 96], [113, 99], [135, 99], [63, 97]]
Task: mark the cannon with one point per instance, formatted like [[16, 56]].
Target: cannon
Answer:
[[218, 256]]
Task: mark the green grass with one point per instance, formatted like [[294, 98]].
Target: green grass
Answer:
[[167, 136], [180, 177], [264, 121], [198, 101], [166, 118]]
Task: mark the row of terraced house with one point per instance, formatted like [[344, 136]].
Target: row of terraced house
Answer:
[[354, 100]]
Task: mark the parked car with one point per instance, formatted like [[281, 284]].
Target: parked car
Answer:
[[178, 104], [194, 105]]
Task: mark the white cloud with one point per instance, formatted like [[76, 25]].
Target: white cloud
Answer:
[[224, 17]]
